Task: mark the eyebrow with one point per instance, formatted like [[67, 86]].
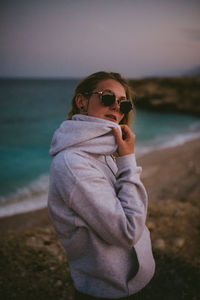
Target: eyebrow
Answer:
[[125, 97]]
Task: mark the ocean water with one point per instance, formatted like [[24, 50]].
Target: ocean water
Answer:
[[31, 110]]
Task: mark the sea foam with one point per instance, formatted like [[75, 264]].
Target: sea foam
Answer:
[[169, 141], [34, 195], [29, 198]]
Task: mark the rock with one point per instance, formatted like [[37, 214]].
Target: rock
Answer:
[[59, 283], [61, 258], [53, 249], [179, 242], [168, 94], [159, 244], [34, 242], [45, 238], [48, 230]]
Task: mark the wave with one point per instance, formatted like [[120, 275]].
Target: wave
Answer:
[[29, 198], [34, 196], [169, 141]]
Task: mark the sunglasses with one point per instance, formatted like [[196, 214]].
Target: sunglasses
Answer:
[[108, 98]]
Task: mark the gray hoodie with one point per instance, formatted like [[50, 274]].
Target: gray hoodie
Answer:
[[98, 207]]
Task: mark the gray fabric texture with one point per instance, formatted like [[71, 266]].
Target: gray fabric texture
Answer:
[[98, 207]]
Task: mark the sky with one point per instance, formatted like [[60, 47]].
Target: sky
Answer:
[[74, 38]]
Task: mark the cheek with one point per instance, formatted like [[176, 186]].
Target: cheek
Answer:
[[95, 108]]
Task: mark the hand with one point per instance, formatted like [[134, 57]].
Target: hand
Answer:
[[126, 142]]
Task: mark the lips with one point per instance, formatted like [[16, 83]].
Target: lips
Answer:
[[112, 117]]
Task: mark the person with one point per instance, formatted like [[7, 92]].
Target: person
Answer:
[[96, 201]]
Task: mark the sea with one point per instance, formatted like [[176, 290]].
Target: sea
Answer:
[[32, 109]]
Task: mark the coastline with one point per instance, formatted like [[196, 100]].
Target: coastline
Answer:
[[34, 263], [172, 173], [168, 173]]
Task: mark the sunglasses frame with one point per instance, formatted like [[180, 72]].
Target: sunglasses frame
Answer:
[[110, 93]]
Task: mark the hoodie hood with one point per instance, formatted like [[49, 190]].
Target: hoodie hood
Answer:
[[89, 134]]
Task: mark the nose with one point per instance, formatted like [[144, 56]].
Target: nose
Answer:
[[116, 105]]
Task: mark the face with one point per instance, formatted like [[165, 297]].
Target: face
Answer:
[[98, 110]]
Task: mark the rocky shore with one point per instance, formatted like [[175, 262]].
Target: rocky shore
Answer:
[[168, 94], [33, 263]]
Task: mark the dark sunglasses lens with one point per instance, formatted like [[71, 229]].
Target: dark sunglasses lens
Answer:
[[125, 107], [107, 99]]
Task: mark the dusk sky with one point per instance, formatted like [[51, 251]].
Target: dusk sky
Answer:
[[73, 38]]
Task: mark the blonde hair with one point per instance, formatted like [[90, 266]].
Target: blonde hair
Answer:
[[89, 83]]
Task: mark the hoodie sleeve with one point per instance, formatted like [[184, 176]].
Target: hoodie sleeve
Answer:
[[117, 213]]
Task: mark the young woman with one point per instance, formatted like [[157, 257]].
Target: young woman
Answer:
[[97, 202]]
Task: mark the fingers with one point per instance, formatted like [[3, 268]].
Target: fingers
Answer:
[[126, 132], [126, 141], [117, 134], [125, 129]]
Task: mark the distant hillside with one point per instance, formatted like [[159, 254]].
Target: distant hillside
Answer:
[[168, 94]]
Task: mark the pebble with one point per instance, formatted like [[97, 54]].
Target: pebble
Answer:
[[34, 242], [45, 237], [159, 244], [61, 258], [179, 242], [47, 230], [59, 283], [53, 249]]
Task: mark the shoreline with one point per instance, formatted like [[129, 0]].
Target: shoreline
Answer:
[[38, 186], [34, 262], [170, 173], [33, 196], [23, 206], [175, 141]]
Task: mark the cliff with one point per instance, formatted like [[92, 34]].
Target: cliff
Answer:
[[168, 94]]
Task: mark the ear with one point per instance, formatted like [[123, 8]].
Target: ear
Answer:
[[81, 103]]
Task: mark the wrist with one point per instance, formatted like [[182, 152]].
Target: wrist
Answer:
[[124, 152], [126, 160]]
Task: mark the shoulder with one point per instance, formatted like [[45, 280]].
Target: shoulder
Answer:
[[74, 163]]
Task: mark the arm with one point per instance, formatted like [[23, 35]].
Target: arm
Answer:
[[117, 215]]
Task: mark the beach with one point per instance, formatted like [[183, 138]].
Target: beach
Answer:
[[33, 264]]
